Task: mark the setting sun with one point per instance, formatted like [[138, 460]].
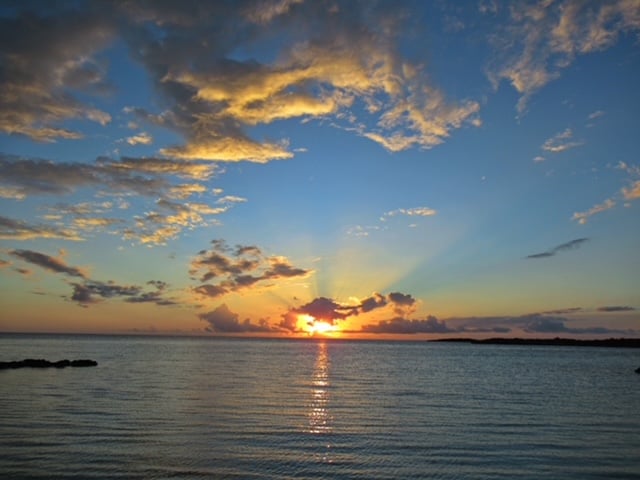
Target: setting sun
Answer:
[[313, 326]]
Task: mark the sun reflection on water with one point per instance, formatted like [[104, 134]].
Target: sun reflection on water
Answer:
[[319, 416]]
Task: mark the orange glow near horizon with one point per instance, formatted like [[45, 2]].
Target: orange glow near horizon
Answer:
[[313, 326]]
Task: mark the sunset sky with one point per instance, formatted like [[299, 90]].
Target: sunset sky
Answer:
[[257, 167]]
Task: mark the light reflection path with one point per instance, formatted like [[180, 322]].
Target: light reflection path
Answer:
[[319, 416]]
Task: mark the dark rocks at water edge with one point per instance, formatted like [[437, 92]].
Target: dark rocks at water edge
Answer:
[[40, 363]]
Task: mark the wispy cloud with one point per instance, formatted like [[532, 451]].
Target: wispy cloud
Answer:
[[89, 291], [616, 308], [582, 217], [571, 245], [11, 229], [544, 37], [411, 212], [53, 264], [561, 142], [147, 178]]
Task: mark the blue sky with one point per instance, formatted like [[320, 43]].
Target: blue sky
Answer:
[[387, 168]]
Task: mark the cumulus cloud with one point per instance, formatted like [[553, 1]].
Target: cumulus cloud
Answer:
[[570, 245], [543, 38], [223, 269], [350, 61], [223, 320]]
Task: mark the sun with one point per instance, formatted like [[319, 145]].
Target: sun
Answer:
[[314, 326]]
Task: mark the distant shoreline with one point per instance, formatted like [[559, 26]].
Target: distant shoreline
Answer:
[[568, 342]]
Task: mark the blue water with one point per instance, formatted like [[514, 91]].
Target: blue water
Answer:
[[159, 407]]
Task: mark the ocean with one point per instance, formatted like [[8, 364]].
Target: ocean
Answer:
[[200, 408]]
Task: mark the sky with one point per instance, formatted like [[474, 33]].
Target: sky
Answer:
[[369, 169]]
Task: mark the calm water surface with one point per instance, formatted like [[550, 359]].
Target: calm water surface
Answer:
[[275, 409]]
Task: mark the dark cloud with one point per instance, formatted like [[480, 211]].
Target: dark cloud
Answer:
[[47, 262], [47, 64], [573, 244], [93, 291], [405, 326], [89, 291], [323, 308], [539, 324], [562, 311], [371, 303], [330, 311], [532, 323], [223, 320], [227, 269], [616, 308]]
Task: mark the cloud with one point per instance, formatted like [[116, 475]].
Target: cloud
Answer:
[[11, 229], [146, 177], [539, 324], [542, 323], [411, 212], [616, 308], [48, 64], [570, 245], [632, 192], [405, 326], [164, 166], [561, 311], [223, 320], [582, 217], [239, 268], [89, 291], [561, 142], [543, 38], [142, 138], [331, 311], [56, 265], [351, 61]]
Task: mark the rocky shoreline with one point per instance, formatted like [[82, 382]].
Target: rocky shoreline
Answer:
[[41, 363]]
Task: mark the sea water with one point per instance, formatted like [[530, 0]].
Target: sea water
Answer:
[[159, 407]]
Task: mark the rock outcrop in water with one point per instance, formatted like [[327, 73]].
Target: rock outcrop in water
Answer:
[[41, 363]]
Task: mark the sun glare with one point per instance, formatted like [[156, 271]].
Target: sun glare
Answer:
[[313, 326]]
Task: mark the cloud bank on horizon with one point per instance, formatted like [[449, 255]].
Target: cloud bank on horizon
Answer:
[[313, 134]]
